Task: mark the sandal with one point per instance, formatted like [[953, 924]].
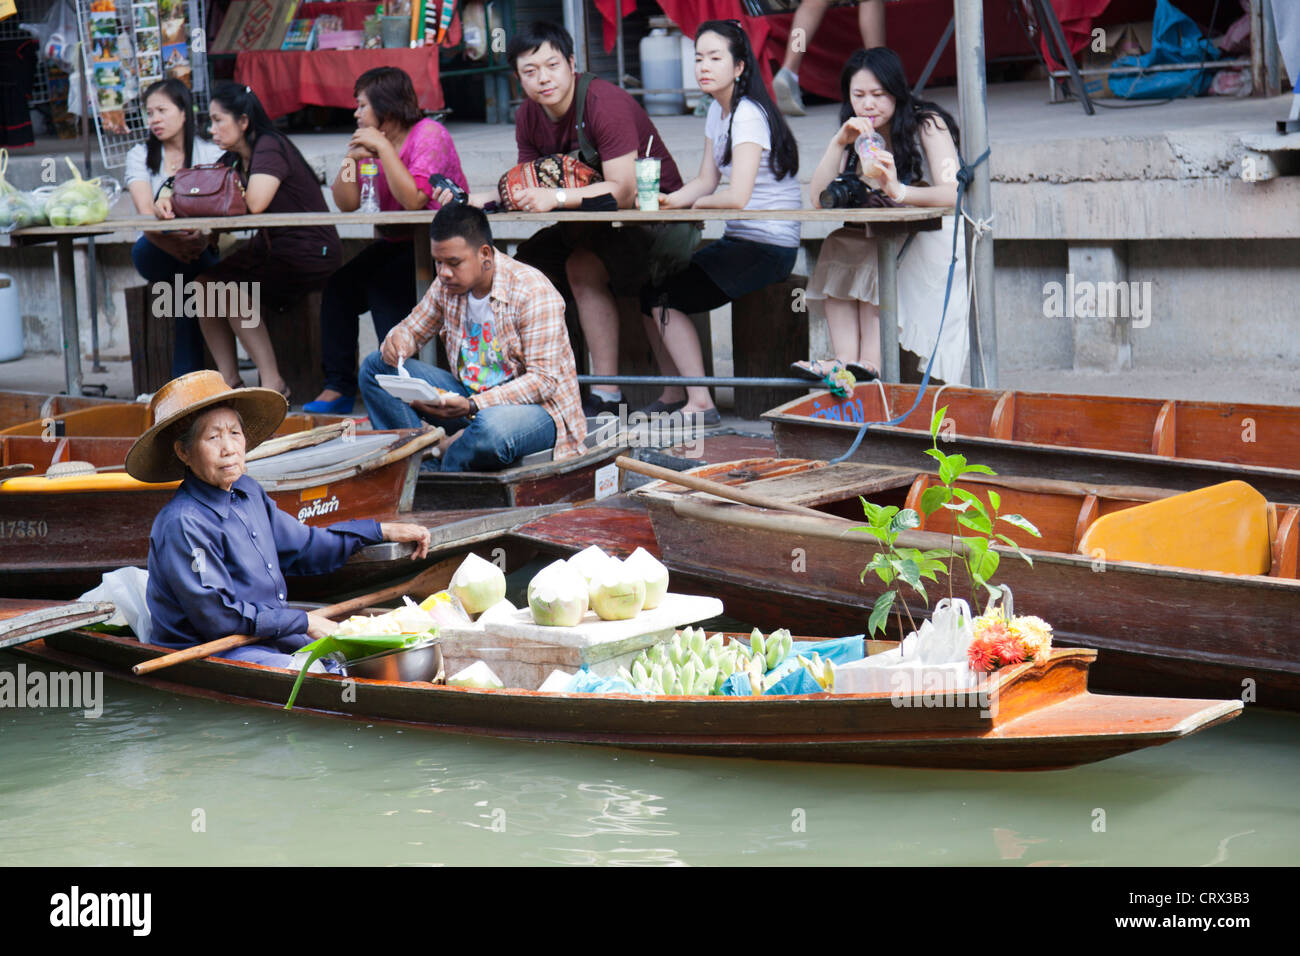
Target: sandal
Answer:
[[816, 371], [862, 373]]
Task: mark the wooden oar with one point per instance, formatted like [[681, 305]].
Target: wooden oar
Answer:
[[713, 487], [432, 579], [295, 440]]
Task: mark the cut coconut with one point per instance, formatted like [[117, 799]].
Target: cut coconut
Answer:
[[617, 593], [477, 675], [655, 575], [557, 596], [589, 561], [478, 584]]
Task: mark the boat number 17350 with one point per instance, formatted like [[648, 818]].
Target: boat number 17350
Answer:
[[23, 529]]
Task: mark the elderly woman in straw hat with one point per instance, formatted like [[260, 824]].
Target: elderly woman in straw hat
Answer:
[[219, 550]]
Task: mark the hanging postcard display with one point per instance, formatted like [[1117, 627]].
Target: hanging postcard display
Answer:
[[175, 45], [109, 64], [148, 43]]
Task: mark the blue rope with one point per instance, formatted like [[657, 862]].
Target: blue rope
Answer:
[[964, 177]]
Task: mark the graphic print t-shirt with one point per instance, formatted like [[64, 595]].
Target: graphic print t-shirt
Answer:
[[481, 355]]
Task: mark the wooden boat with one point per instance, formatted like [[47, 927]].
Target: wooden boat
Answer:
[[17, 407], [1160, 629], [1177, 444], [534, 481], [1044, 717], [61, 416], [61, 532]]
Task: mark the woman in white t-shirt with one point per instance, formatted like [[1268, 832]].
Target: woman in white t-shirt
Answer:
[[747, 141], [161, 256]]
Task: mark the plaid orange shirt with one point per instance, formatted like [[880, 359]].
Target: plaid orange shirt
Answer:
[[529, 316]]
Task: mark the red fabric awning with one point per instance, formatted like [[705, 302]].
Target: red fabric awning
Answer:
[[288, 81]]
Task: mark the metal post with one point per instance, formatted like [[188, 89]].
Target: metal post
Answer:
[[1272, 67], [887, 247], [1257, 46], [618, 41], [972, 96], [68, 308]]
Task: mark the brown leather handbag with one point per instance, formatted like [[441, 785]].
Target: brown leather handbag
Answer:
[[208, 190]]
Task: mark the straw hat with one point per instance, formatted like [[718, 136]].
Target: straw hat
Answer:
[[152, 457]]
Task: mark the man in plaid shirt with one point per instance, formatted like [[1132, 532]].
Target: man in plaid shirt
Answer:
[[515, 389]]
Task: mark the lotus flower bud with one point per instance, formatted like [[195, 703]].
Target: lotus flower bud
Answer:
[[756, 643], [676, 688], [478, 584], [647, 567]]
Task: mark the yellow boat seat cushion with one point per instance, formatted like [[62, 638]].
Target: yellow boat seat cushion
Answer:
[[1221, 528]]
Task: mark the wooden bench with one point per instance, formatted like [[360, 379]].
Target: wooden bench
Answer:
[[295, 334]]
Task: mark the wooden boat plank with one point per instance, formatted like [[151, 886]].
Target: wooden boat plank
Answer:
[[619, 525]]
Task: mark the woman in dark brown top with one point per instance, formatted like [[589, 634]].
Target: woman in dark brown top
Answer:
[[277, 267]]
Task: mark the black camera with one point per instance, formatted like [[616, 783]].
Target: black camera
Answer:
[[438, 181], [847, 190]]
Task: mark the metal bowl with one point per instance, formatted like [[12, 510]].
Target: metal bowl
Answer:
[[422, 662]]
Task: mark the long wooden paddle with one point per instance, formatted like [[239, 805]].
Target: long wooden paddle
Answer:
[[713, 487], [434, 578]]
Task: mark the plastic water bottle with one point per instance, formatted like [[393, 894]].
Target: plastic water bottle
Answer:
[[368, 169]]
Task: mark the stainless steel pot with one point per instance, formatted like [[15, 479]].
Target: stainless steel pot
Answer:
[[422, 662]]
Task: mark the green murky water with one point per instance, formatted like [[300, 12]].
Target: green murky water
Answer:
[[158, 779]]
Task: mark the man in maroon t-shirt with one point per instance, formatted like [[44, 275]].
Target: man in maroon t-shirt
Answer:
[[596, 261]]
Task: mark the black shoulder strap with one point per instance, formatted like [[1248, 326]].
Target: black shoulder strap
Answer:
[[586, 151]]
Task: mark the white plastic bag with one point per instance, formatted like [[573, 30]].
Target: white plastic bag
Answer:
[[126, 588], [931, 659]]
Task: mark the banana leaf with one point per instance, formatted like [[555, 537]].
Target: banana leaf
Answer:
[[351, 648]]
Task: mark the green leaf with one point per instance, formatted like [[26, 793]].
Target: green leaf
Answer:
[[961, 507], [976, 522], [977, 470], [909, 572], [880, 612], [975, 545], [878, 533], [1021, 522], [351, 648], [995, 499], [936, 421], [871, 511], [972, 499], [937, 455], [953, 467], [932, 498], [905, 519], [985, 565]]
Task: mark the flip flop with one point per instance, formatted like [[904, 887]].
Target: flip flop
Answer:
[[862, 373]]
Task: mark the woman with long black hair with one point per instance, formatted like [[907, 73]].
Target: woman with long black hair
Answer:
[[747, 140], [917, 167], [172, 144], [286, 262]]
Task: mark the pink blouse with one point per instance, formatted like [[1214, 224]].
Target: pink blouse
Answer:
[[428, 149]]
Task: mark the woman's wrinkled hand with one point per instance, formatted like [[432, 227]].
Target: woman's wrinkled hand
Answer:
[[402, 532], [318, 626]]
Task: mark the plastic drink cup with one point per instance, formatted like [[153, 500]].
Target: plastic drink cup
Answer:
[[867, 146], [647, 184]]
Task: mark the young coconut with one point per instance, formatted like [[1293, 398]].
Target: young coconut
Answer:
[[478, 584], [557, 596], [655, 575], [589, 561], [617, 593]]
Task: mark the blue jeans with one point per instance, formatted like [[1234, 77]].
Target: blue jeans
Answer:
[[155, 265], [495, 438]]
